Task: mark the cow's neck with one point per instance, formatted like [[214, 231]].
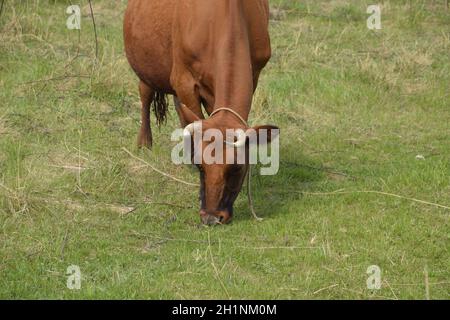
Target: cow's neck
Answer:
[[233, 83], [223, 45]]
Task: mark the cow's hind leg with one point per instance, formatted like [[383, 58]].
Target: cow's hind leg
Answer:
[[145, 134]]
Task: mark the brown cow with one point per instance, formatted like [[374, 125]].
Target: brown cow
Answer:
[[205, 53]]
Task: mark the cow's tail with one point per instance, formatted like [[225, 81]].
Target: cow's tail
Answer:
[[160, 107]]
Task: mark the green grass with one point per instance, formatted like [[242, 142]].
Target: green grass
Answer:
[[355, 107]]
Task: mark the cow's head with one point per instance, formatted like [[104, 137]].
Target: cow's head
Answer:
[[221, 181]]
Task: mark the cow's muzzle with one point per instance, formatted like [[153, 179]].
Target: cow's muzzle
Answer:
[[217, 217]]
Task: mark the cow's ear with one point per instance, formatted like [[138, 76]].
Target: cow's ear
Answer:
[[187, 115], [262, 134]]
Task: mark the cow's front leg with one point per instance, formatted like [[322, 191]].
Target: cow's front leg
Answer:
[[187, 94]]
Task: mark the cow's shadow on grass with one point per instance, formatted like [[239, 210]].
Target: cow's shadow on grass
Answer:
[[272, 195]]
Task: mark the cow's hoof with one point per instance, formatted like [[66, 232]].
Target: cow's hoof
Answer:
[[144, 141]]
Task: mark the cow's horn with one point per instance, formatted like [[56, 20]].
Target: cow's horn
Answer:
[[242, 138], [189, 130]]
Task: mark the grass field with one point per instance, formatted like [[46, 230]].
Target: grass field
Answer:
[[359, 110]]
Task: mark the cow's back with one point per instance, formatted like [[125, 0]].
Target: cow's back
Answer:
[[148, 41], [213, 47]]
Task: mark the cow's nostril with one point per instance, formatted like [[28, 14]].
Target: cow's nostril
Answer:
[[224, 217]]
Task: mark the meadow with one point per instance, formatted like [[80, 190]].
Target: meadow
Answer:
[[364, 167]]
